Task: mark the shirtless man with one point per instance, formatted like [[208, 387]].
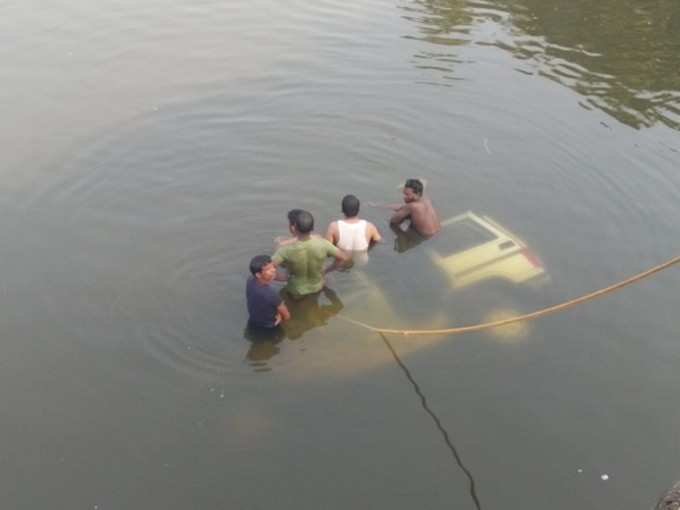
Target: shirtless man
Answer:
[[418, 209]]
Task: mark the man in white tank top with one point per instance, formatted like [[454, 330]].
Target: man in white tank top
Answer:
[[352, 234]]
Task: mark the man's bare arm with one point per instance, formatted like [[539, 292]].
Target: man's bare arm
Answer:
[[282, 313], [382, 205], [374, 234], [281, 276], [400, 214], [342, 256], [332, 232]]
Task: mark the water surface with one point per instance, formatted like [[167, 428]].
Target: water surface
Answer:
[[149, 150]]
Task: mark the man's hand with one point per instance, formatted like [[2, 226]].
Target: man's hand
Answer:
[[282, 314], [342, 256]]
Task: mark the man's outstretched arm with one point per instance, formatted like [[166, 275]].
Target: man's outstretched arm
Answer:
[[374, 234], [381, 205]]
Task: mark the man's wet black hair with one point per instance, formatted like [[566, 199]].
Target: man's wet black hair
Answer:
[[292, 214], [350, 206], [415, 185], [258, 262], [304, 222]]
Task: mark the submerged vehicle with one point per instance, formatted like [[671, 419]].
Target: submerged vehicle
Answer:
[[471, 252], [460, 277], [472, 248]]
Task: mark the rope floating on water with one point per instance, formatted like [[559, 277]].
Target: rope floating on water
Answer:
[[525, 317]]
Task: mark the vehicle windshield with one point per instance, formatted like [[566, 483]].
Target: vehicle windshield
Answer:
[[460, 236]]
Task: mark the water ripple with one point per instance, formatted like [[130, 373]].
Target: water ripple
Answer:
[[582, 53]]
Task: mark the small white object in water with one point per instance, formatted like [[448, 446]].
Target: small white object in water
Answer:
[[222, 395], [486, 145], [579, 470], [605, 477]]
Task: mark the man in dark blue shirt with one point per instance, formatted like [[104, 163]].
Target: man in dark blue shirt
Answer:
[[265, 307]]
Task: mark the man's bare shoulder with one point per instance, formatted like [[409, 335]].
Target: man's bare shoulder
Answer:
[[426, 204]]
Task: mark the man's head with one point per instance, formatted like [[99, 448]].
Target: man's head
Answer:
[[413, 190], [350, 206], [292, 214], [304, 222], [262, 268]]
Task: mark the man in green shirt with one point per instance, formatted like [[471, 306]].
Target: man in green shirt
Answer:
[[304, 258]]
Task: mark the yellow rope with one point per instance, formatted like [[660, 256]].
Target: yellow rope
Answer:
[[528, 316]]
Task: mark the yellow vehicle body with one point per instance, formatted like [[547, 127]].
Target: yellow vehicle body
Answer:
[[490, 253], [472, 248]]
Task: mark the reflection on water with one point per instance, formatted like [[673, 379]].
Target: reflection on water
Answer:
[[514, 333], [306, 314], [623, 57], [127, 239], [405, 239], [263, 345]]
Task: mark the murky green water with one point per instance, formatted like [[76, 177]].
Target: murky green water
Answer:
[[150, 149]]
